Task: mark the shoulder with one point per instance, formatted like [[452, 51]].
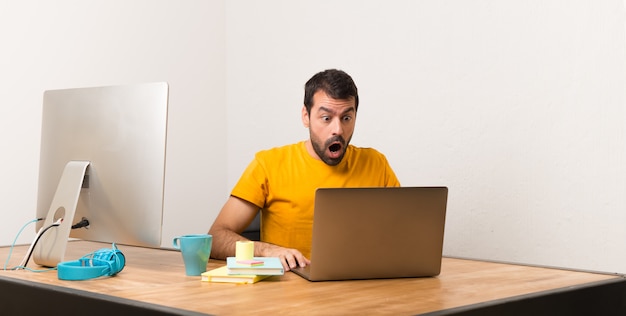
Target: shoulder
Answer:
[[366, 156], [371, 160], [280, 155], [366, 153], [280, 151]]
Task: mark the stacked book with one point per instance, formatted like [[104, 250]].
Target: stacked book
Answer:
[[245, 271]]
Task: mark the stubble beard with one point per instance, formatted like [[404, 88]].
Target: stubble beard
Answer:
[[321, 150]]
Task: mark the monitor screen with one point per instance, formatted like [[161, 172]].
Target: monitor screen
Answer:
[[102, 159]]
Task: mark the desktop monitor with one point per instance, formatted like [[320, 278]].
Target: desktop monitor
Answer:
[[103, 153]]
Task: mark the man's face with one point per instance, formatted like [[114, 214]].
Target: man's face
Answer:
[[331, 124]]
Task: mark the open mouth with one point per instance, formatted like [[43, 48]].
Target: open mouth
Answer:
[[335, 150]]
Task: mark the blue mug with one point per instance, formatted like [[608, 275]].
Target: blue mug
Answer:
[[196, 250]]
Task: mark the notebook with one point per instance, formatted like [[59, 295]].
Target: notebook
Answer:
[[371, 233]]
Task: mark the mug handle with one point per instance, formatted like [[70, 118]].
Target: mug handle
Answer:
[[175, 243]]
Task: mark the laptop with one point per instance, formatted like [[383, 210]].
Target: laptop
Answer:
[[373, 233]]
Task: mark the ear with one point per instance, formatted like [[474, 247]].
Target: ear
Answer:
[[305, 117]]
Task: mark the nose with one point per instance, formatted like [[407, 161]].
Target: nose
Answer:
[[337, 127]]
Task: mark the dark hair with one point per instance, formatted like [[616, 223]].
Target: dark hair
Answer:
[[335, 83]]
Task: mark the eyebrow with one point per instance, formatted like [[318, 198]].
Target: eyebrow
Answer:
[[325, 109]]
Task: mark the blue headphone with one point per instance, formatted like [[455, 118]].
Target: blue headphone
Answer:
[[103, 262]]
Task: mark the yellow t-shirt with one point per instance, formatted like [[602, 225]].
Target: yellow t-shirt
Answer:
[[282, 183]]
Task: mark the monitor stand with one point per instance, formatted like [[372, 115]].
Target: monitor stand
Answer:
[[50, 249]]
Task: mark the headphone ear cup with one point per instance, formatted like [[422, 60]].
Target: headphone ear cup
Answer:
[[114, 257], [121, 261]]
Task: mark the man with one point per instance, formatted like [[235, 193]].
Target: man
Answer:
[[281, 182]]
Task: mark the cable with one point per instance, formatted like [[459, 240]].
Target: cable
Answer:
[[32, 246], [38, 270], [83, 223], [15, 240]]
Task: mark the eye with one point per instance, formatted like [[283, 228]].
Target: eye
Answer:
[[347, 118], [325, 118]]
